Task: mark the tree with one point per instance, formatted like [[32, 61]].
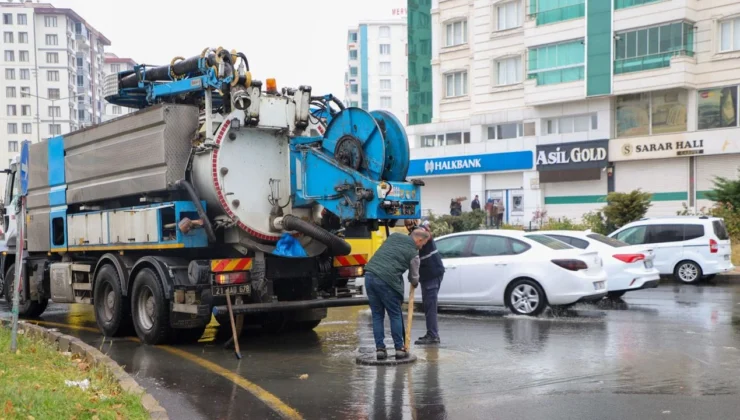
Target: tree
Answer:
[[621, 208], [726, 191]]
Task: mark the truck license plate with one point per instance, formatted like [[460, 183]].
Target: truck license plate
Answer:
[[649, 264], [598, 285], [242, 289]]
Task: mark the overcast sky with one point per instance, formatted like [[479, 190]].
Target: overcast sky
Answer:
[[295, 41]]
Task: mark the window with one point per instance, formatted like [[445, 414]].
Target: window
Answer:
[[457, 33], [353, 37], [384, 31], [25, 92], [692, 232], [116, 110], [80, 81], [385, 102], [115, 68], [614, 243], [26, 110], [385, 84], [353, 88], [27, 128], [456, 84], [428, 141], [9, 74], [720, 230], [53, 94], [353, 71], [10, 92], [453, 247], [557, 63], [652, 48], [633, 236], [22, 19], [52, 75], [11, 110], [385, 68], [52, 40], [508, 15], [9, 55], [549, 242], [621, 4], [7, 18], [55, 111], [354, 104], [505, 131], [490, 246], [717, 108], [55, 129], [81, 114], [729, 35], [385, 49], [52, 58], [656, 112], [509, 71], [8, 37], [25, 74], [23, 37], [80, 61], [566, 125], [23, 56], [12, 146], [353, 54], [551, 11], [50, 21], [12, 128]]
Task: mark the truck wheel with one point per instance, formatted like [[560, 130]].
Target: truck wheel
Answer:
[[151, 311], [112, 310], [26, 308]]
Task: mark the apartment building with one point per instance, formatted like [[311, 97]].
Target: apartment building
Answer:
[[552, 104], [113, 65], [377, 68], [51, 73]]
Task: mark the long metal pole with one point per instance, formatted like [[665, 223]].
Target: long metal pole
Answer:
[[21, 222]]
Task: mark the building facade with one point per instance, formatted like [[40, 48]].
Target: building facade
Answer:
[[377, 67], [549, 105], [113, 65], [51, 74]]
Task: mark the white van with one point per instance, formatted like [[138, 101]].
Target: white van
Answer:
[[688, 247]]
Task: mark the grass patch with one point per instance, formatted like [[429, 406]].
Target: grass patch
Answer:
[[736, 254], [32, 385]]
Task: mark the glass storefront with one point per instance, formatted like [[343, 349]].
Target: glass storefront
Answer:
[[717, 108], [658, 112]]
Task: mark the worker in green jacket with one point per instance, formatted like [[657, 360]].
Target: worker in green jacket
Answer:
[[384, 285]]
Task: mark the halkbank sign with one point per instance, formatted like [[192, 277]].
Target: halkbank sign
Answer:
[[452, 165]]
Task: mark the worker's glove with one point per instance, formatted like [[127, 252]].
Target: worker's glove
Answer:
[[414, 282]]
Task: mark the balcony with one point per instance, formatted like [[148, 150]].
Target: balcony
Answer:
[[546, 14], [83, 43], [648, 62], [675, 71], [623, 4]]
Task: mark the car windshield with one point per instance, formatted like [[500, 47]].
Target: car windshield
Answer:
[[614, 243], [549, 242]]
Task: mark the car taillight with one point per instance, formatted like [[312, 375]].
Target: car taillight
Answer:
[[572, 265], [713, 246], [348, 272], [231, 278], [629, 258]]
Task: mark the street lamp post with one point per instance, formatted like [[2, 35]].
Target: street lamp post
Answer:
[[53, 114]]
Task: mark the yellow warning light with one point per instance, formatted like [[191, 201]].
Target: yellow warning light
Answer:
[[271, 86]]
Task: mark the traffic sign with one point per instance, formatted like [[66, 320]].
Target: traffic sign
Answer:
[[24, 167]]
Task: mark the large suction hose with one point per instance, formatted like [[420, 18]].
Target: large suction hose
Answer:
[[337, 246], [188, 188]]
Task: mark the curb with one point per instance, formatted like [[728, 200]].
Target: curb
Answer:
[[66, 343]]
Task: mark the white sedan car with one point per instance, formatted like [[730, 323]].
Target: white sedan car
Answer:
[[629, 267], [525, 272]]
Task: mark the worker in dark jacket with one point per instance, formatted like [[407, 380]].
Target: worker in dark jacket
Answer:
[[384, 285], [431, 273]]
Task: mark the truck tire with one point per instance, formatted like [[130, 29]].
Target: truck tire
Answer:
[[112, 309], [150, 309], [26, 308]]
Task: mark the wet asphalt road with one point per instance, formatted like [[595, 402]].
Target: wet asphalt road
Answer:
[[666, 353]]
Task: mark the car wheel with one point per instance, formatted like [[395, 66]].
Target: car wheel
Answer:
[[526, 297], [150, 309], [687, 272], [112, 310]]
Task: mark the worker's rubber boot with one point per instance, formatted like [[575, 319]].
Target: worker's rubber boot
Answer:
[[381, 354], [427, 340], [402, 354]]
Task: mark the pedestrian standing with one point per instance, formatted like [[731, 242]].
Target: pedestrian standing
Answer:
[[490, 213], [500, 213], [384, 286], [475, 205], [431, 273]]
